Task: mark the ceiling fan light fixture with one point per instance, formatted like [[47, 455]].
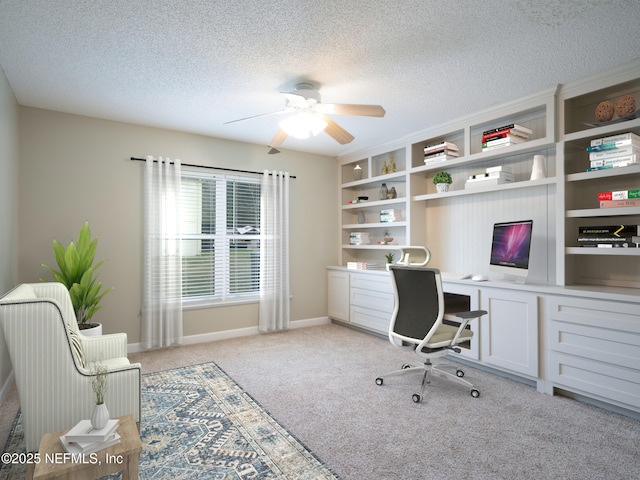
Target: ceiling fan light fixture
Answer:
[[303, 125]]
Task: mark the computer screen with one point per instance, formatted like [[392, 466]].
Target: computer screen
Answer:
[[510, 247]]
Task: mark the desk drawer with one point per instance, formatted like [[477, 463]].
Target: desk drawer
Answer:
[[374, 300], [373, 283], [371, 319]]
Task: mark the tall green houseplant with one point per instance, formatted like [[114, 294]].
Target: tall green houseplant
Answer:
[[77, 273]]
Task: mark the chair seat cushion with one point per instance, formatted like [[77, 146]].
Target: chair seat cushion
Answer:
[[112, 363], [445, 333]]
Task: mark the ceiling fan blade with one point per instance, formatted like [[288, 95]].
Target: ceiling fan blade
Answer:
[[256, 116], [280, 137], [336, 132], [351, 109]]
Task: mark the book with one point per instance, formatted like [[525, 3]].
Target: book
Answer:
[[501, 145], [609, 230], [390, 215], [615, 138], [503, 133], [615, 161], [83, 431], [486, 176], [506, 139], [511, 126], [88, 447], [438, 158], [616, 152], [612, 145], [608, 239], [440, 147], [499, 168], [620, 203], [619, 195], [611, 245], [489, 182]]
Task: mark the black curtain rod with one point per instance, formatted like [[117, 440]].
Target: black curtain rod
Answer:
[[209, 167]]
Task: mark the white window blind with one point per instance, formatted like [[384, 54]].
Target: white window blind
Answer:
[[220, 238]]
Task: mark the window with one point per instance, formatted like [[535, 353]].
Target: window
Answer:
[[220, 235]]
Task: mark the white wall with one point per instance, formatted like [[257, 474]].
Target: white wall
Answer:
[[75, 168], [8, 205]]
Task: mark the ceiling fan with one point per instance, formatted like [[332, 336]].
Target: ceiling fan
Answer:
[[310, 116]]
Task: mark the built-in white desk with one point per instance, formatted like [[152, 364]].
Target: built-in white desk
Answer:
[[580, 341]]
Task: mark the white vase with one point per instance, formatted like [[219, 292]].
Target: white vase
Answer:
[[538, 169], [100, 416], [442, 187], [357, 172], [94, 331]]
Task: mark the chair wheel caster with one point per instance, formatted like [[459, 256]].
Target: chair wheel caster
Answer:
[[460, 373], [475, 393], [379, 381], [405, 366], [416, 398]]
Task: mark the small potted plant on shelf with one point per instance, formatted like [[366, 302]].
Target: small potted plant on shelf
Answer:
[[389, 256], [442, 180]]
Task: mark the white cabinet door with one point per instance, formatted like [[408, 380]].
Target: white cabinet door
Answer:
[[509, 331], [338, 295]]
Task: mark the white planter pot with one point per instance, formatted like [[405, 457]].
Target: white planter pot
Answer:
[[442, 187], [100, 416], [92, 332]]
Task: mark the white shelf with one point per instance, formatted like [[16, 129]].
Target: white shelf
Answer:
[[352, 226], [494, 188], [630, 252], [374, 203], [603, 212], [373, 247], [599, 174]]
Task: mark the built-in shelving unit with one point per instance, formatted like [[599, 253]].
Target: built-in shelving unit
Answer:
[[578, 206]]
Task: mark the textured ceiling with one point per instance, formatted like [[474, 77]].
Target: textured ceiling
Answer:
[[192, 65]]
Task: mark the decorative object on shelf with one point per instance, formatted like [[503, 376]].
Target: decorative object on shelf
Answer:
[[383, 192], [357, 172], [604, 111], [391, 193], [389, 256], [538, 170], [361, 218], [442, 180], [100, 414], [392, 165], [387, 237], [625, 105], [385, 168]]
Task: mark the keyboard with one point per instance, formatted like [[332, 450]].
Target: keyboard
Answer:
[[454, 276]]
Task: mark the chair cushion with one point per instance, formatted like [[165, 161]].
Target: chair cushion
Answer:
[[445, 333], [113, 363], [76, 347]]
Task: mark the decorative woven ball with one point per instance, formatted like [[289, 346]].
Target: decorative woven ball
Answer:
[[604, 111], [625, 105]]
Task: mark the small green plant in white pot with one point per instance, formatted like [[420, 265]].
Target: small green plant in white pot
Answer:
[[442, 180]]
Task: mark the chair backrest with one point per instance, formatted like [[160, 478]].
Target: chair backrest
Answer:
[[419, 303]]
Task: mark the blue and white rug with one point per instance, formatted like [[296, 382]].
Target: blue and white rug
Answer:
[[198, 423]]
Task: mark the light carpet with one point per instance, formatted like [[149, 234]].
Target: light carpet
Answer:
[[198, 423]]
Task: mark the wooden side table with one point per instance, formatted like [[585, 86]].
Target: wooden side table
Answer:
[[124, 456]]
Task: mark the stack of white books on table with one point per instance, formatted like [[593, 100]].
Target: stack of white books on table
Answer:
[[359, 238], [83, 438], [491, 177]]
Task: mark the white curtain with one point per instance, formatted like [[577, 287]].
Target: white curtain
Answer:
[[162, 283], [274, 252]]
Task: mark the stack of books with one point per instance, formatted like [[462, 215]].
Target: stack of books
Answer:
[[83, 438], [505, 136], [440, 152], [390, 215], [491, 177], [621, 198], [609, 236], [614, 151], [362, 266], [359, 238]]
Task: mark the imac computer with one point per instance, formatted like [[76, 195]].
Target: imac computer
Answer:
[[510, 248]]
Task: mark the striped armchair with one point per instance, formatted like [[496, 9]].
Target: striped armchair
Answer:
[[52, 362]]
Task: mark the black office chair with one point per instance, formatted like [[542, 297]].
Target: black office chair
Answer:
[[417, 320]]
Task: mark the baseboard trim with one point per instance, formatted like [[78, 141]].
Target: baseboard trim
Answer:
[[236, 333]]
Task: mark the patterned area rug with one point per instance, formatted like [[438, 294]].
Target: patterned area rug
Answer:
[[198, 423]]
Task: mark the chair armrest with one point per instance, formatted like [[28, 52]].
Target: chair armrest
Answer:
[[113, 345], [466, 318]]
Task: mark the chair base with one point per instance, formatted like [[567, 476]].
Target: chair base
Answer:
[[428, 370]]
